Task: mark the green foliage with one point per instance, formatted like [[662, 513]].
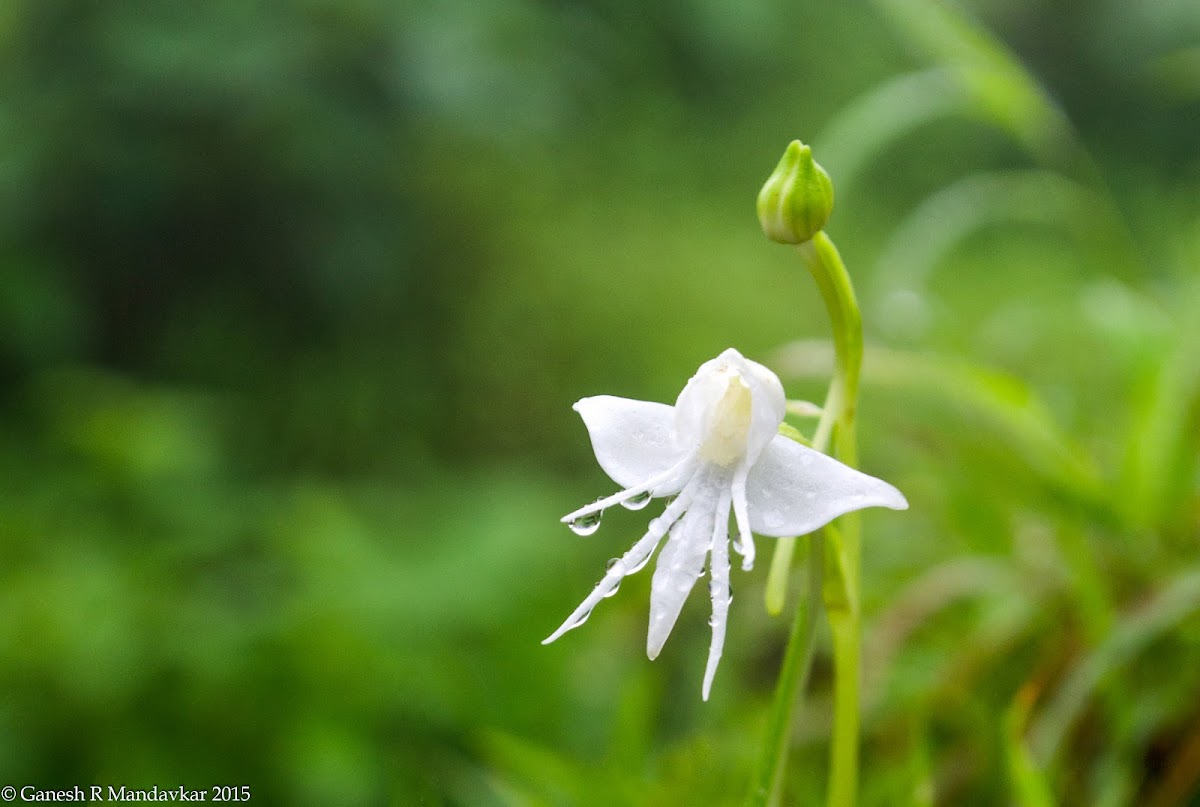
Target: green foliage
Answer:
[[295, 298]]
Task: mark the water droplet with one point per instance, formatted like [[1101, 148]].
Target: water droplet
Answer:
[[586, 524], [641, 564], [582, 618], [637, 502]]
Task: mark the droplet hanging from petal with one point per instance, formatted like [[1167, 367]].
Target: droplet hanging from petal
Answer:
[[637, 502], [586, 524], [641, 563], [616, 586]]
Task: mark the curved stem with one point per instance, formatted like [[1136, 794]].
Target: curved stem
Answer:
[[841, 587], [833, 563], [833, 281]]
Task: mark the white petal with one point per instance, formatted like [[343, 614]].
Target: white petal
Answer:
[[793, 490], [633, 440], [629, 563], [681, 561], [700, 412], [718, 588], [770, 405], [741, 513]]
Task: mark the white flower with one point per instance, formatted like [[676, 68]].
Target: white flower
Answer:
[[717, 449]]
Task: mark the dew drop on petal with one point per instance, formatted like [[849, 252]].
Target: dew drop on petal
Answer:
[[641, 564], [637, 502], [582, 618], [616, 586], [586, 524]]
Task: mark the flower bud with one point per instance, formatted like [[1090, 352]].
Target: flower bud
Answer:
[[797, 198]]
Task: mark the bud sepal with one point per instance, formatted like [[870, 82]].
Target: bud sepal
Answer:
[[797, 199]]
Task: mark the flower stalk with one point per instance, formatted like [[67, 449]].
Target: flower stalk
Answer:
[[841, 544], [842, 581]]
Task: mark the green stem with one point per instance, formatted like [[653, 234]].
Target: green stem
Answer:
[[843, 775], [842, 591], [833, 281], [840, 564], [767, 790], [777, 577]]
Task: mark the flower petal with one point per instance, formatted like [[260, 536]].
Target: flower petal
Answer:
[[629, 563], [699, 411], [718, 589], [680, 564], [793, 490], [633, 440], [681, 561], [741, 514]]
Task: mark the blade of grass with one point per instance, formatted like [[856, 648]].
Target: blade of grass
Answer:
[[1176, 601], [1029, 786], [881, 116], [766, 786], [1003, 90], [948, 217], [1162, 443]]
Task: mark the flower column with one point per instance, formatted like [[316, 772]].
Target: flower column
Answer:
[[793, 207]]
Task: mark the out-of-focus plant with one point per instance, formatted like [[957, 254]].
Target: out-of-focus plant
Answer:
[[1114, 522]]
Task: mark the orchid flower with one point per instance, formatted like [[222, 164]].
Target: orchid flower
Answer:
[[717, 449]]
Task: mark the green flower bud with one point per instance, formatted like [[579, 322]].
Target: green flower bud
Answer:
[[797, 199]]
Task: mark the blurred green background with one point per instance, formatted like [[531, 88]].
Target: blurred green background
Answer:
[[295, 298]]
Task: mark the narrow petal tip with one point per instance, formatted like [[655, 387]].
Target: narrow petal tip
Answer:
[[710, 675], [656, 639], [893, 499], [665, 605]]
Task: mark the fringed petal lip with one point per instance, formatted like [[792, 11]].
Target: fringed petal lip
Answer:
[[717, 451]]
